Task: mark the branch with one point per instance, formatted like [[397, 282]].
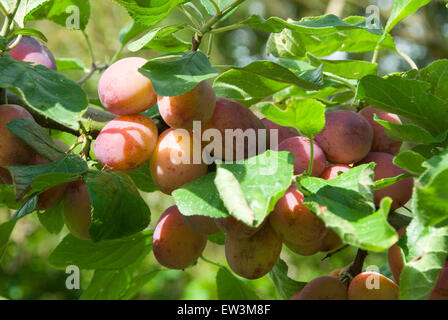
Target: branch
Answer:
[[197, 38]]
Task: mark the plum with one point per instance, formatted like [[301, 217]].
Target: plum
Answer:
[[346, 138], [381, 142], [32, 50], [175, 245], [172, 163], [180, 111], [123, 90], [126, 143]]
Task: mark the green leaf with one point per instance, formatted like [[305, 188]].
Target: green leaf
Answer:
[[31, 33], [307, 115], [408, 132], [218, 238], [36, 137], [46, 91], [25, 10], [5, 232], [64, 64], [350, 69], [175, 77], [420, 275], [143, 179], [23, 176], [8, 197], [130, 32], [118, 210], [407, 98], [28, 207], [138, 282], [286, 286], [72, 14], [386, 182], [345, 205], [262, 180], [262, 79], [107, 285], [104, 255], [231, 288], [52, 219], [149, 13], [296, 43], [436, 74], [402, 9], [211, 10], [161, 39], [410, 161], [430, 201]]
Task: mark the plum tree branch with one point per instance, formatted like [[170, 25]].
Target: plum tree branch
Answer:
[[207, 27]]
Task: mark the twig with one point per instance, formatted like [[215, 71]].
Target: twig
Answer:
[[330, 254], [9, 20], [408, 59], [196, 41], [358, 263], [94, 68]]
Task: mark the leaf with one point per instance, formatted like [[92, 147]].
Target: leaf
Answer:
[[410, 161], [8, 197], [31, 33], [149, 13], [262, 79], [25, 9], [262, 179], [175, 77], [143, 179], [296, 43], [350, 69], [419, 276], [138, 282], [46, 91], [211, 10], [28, 207], [5, 232], [430, 201], [130, 32], [218, 238], [161, 39], [233, 196], [345, 205], [23, 176], [72, 14], [104, 255], [307, 115], [286, 286], [407, 98], [64, 64], [408, 132], [107, 285], [36, 137], [386, 182], [231, 288], [118, 210], [52, 219], [402, 9], [436, 74]]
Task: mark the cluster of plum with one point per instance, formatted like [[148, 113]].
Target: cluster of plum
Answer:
[[131, 140]]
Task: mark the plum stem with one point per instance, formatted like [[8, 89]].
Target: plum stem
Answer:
[[212, 262], [310, 166]]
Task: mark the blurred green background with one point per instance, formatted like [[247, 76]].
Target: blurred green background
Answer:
[[24, 271]]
